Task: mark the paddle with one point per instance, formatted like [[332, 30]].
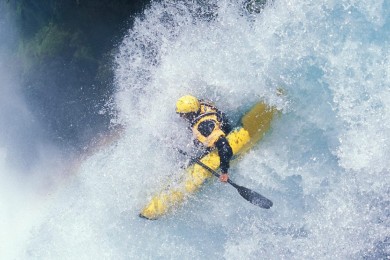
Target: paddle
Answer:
[[248, 194]]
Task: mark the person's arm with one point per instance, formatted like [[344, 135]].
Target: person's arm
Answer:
[[225, 123], [225, 154], [224, 150]]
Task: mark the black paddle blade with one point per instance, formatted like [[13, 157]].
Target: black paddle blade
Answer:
[[254, 197]]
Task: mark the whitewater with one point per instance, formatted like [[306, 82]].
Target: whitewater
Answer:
[[324, 164]]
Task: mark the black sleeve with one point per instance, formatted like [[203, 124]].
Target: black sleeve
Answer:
[[225, 153], [225, 123]]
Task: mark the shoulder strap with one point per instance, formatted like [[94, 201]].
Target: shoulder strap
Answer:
[[208, 104], [196, 119]]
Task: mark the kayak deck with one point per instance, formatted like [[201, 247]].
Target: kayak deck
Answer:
[[254, 124]]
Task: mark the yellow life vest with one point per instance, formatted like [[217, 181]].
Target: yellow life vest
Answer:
[[207, 107], [208, 141]]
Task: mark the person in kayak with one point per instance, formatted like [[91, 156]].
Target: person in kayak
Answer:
[[209, 127]]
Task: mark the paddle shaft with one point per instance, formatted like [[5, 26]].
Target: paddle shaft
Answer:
[[216, 174], [248, 194]]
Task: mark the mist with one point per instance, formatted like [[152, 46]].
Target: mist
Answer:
[[30, 165], [324, 163]]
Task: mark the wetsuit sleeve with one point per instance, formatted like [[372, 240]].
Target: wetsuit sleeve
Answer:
[[225, 153], [225, 123]]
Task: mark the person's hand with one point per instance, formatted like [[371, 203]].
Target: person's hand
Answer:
[[224, 177]]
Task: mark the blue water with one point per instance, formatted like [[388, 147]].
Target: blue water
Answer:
[[325, 163]]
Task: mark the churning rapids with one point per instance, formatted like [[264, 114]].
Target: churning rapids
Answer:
[[325, 163]]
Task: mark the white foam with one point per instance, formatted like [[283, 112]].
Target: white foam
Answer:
[[324, 164]]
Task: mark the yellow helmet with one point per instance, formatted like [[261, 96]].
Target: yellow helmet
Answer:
[[187, 104]]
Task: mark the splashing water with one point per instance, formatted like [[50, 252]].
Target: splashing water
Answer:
[[325, 164]]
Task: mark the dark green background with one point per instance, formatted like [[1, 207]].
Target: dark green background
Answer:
[[62, 51]]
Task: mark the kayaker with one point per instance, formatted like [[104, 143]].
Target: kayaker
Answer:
[[209, 127]]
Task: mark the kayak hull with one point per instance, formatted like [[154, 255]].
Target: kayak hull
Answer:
[[254, 124]]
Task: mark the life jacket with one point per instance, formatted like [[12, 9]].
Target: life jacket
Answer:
[[206, 127], [206, 107]]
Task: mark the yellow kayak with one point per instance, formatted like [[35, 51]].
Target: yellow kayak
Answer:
[[254, 124]]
